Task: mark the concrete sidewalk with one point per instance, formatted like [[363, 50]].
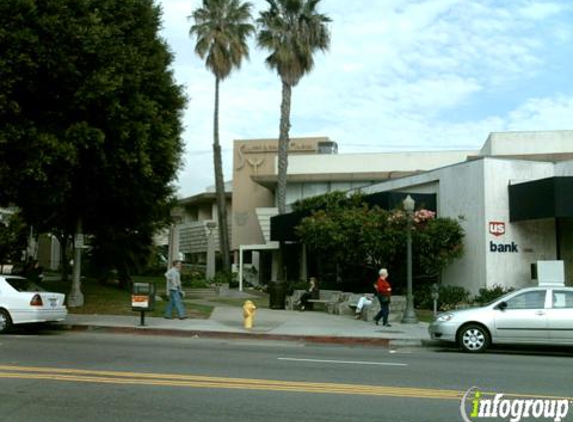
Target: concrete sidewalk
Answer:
[[227, 321]]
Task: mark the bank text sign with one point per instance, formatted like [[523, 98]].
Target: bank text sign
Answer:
[[497, 229]]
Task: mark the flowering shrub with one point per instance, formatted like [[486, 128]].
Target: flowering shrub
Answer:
[[350, 234]]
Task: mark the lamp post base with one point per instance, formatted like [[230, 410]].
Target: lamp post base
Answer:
[[409, 316]]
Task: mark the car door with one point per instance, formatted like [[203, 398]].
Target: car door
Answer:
[[560, 316], [523, 319]]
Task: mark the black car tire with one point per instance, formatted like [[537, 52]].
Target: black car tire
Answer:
[[5, 321], [473, 338]]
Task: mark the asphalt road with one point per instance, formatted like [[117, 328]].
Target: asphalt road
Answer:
[[65, 376]]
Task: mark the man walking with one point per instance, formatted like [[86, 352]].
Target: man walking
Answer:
[[175, 292]]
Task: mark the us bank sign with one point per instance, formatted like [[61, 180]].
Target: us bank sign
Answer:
[[497, 229]]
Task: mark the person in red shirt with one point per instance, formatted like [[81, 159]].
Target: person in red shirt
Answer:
[[383, 293]]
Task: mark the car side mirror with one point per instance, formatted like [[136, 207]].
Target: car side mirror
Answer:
[[501, 306]]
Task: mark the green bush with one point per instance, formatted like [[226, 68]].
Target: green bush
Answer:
[[486, 295], [222, 277], [191, 277], [450, 297]]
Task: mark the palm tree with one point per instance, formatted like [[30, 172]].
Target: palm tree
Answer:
[[222, 28], [292, 30]]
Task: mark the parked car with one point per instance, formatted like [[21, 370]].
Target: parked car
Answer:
[[23, 302], [533, 315]]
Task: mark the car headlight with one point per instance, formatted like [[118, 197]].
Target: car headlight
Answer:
[[444, 317]]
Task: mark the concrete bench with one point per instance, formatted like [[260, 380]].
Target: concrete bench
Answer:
[[349, 302], [327, 298], [292, 300]]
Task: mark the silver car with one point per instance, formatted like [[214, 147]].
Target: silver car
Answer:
[[533, 315]]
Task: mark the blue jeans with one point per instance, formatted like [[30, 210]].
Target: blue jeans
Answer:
[[384, 310], [175, 301]]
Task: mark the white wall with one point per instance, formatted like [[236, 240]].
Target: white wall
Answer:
[[478, 191], [528, 143], [564, 168], [534, 240], [462, 195], [374, 162]]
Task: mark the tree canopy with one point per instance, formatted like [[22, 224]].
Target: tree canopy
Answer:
[[348, 233], [89, 114]]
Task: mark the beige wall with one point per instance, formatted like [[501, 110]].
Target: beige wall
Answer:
[[253, 157]]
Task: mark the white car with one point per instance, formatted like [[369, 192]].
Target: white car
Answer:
[[23, 302], [533, 315]]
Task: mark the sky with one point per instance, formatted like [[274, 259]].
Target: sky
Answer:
[[400, 75]]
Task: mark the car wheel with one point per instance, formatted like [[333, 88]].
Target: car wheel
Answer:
[[473, 338], [5, 321]]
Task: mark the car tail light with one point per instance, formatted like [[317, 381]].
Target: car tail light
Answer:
[[36, 301]]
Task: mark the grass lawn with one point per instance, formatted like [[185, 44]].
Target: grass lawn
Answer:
[[107, 299]]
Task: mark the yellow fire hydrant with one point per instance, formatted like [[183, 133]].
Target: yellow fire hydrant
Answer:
[[249, 309]]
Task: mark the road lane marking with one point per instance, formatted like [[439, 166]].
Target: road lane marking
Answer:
[[349, 362], [198, 381]]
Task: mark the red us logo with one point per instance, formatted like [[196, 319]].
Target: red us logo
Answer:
[[497, 228]]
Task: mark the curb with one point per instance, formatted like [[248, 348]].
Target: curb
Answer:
[[358, 341]]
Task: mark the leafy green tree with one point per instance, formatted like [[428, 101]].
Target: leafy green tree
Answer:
[[222, 29], [293, 31], [357, 237], [13, 233], [89, 116]]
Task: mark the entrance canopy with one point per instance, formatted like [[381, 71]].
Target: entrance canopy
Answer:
[[544, 198]]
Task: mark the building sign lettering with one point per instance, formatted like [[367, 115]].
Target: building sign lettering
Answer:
[[503, 247], [497, 228]]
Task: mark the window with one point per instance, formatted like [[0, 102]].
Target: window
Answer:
[[562, 299], [527, 300], [23, 285]]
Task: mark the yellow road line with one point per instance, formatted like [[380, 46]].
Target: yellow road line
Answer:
[[197, 381]]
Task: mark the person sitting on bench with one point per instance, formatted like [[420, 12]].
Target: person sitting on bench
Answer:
[[363, 301], [311, 293]]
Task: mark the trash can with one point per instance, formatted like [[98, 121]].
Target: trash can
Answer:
[[277, 294], [143, 297]]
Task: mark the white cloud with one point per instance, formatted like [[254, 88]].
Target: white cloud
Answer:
[[400, 73], [543, 114]]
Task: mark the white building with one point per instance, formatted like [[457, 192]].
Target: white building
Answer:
[[515, 194], [516, 199]]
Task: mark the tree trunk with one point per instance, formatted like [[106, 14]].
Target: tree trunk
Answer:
[[63, 239], [220, 188], [283, 148], [76, 297]]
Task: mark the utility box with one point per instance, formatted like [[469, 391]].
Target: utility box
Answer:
[[143, 297], [548, 273]]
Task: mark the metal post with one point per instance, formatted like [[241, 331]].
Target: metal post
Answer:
[[142, 319], [409, 313]]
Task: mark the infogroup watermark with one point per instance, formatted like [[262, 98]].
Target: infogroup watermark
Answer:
[[477, 405]]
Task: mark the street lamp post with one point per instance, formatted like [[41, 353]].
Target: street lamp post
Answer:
[[409, 314]]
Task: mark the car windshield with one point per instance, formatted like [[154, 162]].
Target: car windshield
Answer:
[[24, 285]]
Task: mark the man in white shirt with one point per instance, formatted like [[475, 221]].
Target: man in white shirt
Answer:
[[175, 292]]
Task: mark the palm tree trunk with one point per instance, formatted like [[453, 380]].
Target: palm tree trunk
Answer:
[[220, 187], [283, 147]]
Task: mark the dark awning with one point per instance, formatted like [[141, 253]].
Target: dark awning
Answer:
[[282, 226], [544, 198]]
